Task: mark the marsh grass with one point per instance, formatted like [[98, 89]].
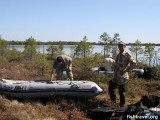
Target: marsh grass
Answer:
[[63, 108]]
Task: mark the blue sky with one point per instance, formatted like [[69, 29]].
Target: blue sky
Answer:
[[71, 20]]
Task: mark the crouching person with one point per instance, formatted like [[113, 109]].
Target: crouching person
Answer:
[[123, 64], [61, 64]]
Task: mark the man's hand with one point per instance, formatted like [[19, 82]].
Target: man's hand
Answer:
[[69, 68]]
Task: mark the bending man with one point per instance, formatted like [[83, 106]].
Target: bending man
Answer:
[[62, 63]]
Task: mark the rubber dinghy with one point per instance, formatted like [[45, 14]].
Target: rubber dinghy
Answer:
[[46, 88]]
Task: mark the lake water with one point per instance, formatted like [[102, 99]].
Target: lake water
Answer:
[[68, 49]]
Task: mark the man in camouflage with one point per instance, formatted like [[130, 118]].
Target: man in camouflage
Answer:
[[123, 64], [61, 64]]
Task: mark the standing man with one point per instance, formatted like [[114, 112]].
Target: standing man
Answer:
[[123, 64], [62, 63]]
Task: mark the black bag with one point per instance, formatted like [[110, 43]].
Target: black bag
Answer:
[[150, 101]]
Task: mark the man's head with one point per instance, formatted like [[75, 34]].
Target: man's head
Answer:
[[59, 59], [121, 46]]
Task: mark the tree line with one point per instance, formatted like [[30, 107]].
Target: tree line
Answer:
[[84, 48], [83, 59]]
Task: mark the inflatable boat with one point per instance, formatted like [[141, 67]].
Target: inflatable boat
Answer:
[[45, 88]]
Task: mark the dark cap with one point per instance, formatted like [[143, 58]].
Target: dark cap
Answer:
[[121, 43]]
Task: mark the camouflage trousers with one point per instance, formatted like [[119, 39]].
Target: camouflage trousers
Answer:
[[122, 90]]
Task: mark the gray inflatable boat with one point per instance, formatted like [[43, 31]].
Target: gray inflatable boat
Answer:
[[46, 88]]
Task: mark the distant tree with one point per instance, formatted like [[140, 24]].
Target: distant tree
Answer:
[[83, 48], [14, 55], [76, 50], [30, 42], [3, 47], [30, 48], [61, 47], [136, 49], [52, 51], [114, 43], [41, 64], [3, 52], [149, 52], [106, 40]]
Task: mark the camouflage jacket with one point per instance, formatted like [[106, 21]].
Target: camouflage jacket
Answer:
[[126, 62]]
